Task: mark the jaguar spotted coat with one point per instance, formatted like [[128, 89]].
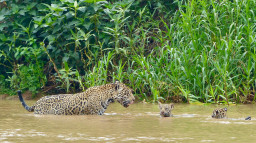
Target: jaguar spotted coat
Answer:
[[94, 101], [219, 113]]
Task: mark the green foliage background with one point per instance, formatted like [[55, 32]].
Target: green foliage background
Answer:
[[181, 50]]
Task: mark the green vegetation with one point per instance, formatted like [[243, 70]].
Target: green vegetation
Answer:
[[200, 50]]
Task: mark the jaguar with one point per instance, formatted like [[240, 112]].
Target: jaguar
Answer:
[[93, 101], [165, 109], [219, 113]]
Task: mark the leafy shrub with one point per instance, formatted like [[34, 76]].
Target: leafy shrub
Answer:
[[28, 77]]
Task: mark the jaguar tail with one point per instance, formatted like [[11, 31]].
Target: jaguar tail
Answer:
[[30, 109]]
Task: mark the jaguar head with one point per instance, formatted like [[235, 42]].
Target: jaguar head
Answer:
[[165, 109], [123, 94]]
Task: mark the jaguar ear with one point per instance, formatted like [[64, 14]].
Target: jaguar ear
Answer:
[[117, 85]]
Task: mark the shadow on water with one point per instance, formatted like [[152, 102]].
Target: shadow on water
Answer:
[[138, 123]]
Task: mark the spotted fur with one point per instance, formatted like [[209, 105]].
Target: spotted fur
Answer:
[[94, 101], [165, 109], [219, 113]]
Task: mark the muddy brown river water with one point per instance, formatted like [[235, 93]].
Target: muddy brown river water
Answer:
[[137, 123]]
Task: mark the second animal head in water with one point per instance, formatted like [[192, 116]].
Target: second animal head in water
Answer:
[[165, 109], [219, 113]]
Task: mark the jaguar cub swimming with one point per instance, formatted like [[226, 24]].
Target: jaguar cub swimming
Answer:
[[93, 101], [165, 109], [219, 113]]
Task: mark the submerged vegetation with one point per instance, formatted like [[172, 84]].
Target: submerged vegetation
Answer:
[[181, 50]]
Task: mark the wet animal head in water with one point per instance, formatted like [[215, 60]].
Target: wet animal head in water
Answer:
[[123, 94], [165, 109], [219, 113]]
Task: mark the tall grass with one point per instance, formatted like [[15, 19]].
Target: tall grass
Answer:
[[207, 52]]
